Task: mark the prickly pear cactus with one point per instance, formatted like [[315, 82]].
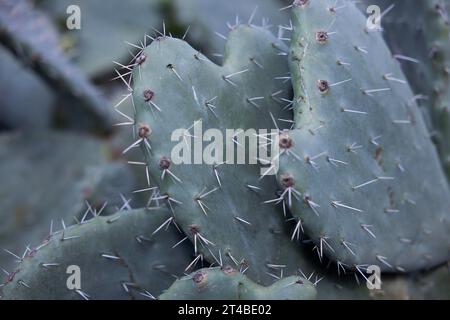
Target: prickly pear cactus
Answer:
[[360, 171], [29, 35], [228, 284], [218, 205], [210, 21], [418, 34], [123, 256], [47, 177]]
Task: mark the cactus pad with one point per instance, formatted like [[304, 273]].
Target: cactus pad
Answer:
[[360, 171], [228, 284], [119, 257]]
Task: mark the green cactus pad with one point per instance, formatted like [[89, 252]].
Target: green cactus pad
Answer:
[[29, 35], [104, 28], [119, 257], [360, 171], [228, 284], [219, 206]]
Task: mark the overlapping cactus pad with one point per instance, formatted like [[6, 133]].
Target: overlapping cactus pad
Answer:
[[360, 170], [227, 283], [220, 205]]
